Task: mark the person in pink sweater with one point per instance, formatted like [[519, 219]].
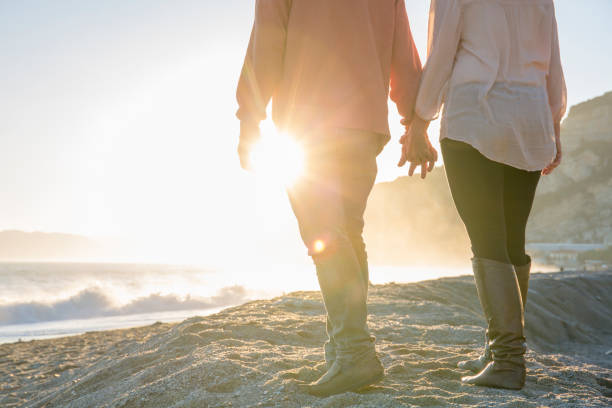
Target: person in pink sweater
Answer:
[[329, 67]]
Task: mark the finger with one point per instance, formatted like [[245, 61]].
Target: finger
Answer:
[[241, 158], [432, 163], [245, 157], [402, 161], [244, 164], [423, 170], [413, 166], [403, 157]]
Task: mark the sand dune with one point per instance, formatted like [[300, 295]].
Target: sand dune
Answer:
[[254, 355]]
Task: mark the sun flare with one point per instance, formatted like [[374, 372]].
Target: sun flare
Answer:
[[277, 157], [319, 246]]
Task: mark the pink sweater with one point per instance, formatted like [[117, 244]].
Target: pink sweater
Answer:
[[329, 64]]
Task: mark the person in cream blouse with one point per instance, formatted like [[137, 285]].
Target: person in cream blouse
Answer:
[[494, 71]]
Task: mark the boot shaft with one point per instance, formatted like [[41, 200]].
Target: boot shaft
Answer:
[[500, 297], [522, 276]]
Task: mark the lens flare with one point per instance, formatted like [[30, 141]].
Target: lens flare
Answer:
[[278, 158], [319, 246]]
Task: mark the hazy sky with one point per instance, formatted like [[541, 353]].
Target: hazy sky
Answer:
[[117, 117]]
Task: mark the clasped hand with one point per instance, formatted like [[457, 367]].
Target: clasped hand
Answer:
[[417, 149]]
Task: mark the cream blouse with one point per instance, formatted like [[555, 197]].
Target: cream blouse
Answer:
[[495, 66]]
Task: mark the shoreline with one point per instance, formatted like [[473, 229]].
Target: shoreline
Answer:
[[56, 329], [87, 307]]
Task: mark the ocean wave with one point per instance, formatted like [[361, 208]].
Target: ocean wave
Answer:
[[93, 302]]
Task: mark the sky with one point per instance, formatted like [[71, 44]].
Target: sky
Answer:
[[117, 118]]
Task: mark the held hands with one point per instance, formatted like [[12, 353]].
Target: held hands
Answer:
[[557, 160], [249, 135], [417, 149]]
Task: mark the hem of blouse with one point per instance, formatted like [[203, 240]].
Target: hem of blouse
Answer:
[[496, 159]]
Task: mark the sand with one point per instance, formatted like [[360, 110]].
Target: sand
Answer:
[[256, 354]]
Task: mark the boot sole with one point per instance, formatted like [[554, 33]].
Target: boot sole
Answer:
[[375, 380], [472, 367], [466, 380], [499, 387], [353, 387]]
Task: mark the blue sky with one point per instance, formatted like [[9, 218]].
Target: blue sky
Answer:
[[117, 113]]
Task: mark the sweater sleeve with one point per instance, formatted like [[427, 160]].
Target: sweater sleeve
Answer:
[[555, 80], [405, 66], [263, 64], [442, 43]]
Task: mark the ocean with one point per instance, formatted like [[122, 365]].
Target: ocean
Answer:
[[45, 300]]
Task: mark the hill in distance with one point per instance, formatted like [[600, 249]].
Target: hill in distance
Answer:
[[18, 246], [414, 220]]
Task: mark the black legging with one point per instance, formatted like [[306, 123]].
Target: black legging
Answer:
[[493, 200]]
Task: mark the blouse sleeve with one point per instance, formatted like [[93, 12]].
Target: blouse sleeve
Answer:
[[443, 39], [555, 81]]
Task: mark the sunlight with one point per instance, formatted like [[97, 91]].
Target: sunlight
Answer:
[[277, 157], [319, 246]]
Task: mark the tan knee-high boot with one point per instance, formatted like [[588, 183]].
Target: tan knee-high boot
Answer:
[[500, 297], [476, 365]]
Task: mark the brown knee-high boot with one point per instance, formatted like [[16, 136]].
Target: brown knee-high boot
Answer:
[[476, 365], [500, 297]]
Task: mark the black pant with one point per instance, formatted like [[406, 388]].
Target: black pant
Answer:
[[493, 200]]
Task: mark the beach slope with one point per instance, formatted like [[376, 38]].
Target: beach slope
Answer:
[[256, 354]]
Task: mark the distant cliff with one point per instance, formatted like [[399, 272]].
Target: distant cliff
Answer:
[[40, 246], [414, 220], [574, 204]]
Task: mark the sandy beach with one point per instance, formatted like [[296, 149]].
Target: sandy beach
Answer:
[[255, 355]]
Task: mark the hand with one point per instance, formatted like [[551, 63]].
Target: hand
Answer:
[[557, 160], [249, 135], [417, 149]]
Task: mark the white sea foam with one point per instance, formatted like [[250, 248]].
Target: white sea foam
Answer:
[[39, 300], [93, 302]]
